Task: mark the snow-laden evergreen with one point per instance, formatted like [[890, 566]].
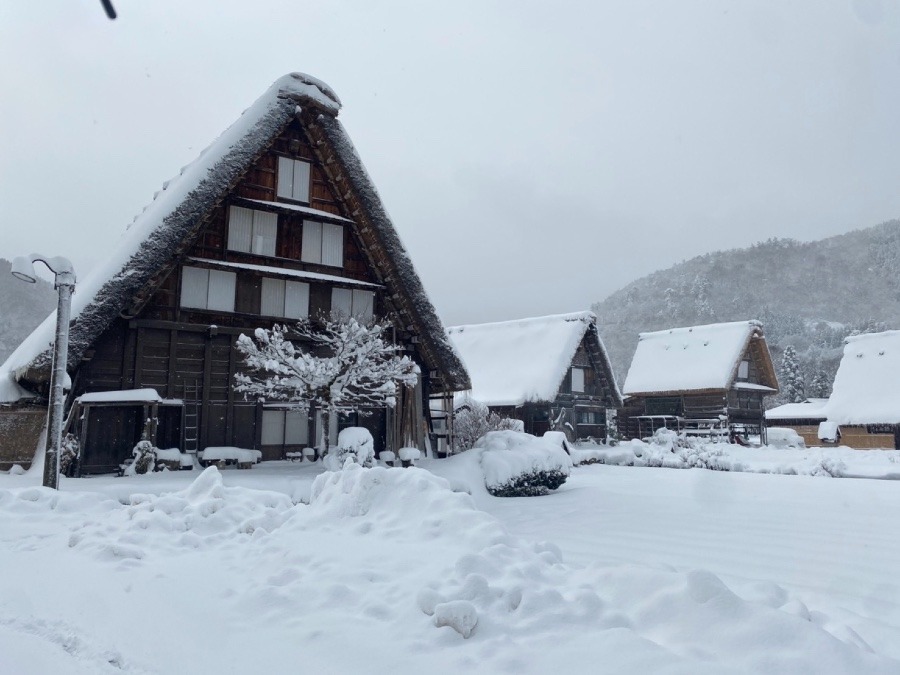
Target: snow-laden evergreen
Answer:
[[341, 365], [791, 377]]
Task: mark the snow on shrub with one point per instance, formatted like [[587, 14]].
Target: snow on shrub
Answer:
[[519, 465], [355, 444], [144, 459]]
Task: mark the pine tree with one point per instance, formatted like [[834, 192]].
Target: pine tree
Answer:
[[792, 377], [820, 386], [348, 364]]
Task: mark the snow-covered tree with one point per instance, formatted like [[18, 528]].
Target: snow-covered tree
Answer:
[[820, 387], [700, 291], [347, 365], [473, 420], [792, 377]]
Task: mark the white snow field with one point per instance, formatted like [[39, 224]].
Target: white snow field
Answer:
[[623, 569]]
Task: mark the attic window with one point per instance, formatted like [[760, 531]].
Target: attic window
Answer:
[[577, 380], [293, 179], [207, 289], [252, 231], [323, 243], [744, 370]]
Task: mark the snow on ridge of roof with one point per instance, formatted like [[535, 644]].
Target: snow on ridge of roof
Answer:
[[811, 408], [511, 362], [173, 212], [867, 385], [691, 358]]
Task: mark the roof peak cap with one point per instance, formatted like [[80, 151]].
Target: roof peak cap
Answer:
[[300, 86]]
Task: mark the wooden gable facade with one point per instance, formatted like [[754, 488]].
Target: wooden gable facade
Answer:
[[725, 401], [297, 233], [580, 408], [551, 373]]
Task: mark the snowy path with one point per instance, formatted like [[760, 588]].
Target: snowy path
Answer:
[[834, 543]]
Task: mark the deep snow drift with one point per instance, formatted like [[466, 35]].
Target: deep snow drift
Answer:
[[391, 570]]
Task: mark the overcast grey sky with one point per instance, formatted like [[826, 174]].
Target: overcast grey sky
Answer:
[[534, 156]]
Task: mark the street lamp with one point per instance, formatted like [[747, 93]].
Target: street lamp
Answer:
[[23, 269]]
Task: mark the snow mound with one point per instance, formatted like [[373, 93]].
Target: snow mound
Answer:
[[204, 514], [409, 504]]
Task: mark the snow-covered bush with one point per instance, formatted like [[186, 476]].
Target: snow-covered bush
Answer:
[[355, 444], [387, 457], [69, 451], [473, 420], [144, 459], [516, 464]]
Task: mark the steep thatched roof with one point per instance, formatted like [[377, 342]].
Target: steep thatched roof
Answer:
[[162, 233], [697, 359], [512, 362]]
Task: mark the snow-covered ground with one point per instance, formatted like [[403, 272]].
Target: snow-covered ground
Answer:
[[622, 569]]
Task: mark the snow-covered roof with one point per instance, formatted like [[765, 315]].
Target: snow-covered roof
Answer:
[[810, 409], [166, 227], [285, 272], [146, 395], [695, 358], [867, 385], [10, 390], [511, 362]]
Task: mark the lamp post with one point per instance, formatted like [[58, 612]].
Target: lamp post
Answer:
[[23, 268]]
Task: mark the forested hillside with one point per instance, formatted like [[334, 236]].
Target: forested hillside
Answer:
[[22, 307], [809, 295]]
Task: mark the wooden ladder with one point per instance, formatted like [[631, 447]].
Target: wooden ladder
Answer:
[[191, 429]]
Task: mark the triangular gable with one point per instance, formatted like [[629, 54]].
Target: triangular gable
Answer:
[[511, 362], [867, 385], [697, 359], [162, 233]]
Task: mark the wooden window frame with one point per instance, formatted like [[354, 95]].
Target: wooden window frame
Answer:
[[299, 191], [258, 219]]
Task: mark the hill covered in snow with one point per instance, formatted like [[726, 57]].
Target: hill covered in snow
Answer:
[[810, 295], [22, 307]]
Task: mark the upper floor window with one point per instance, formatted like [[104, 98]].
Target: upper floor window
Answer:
[[207, 289], [252, 231], [577, 380], [293, 179], [744, 370], [323, 243], [358, 304], [287, 299]]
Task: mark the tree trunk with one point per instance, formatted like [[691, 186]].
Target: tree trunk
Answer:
[[326, 419]]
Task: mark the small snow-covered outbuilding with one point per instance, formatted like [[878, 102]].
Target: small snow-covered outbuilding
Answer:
[[804, 418], [275, 221], [865, 401], [547, 371], [699, 379]]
